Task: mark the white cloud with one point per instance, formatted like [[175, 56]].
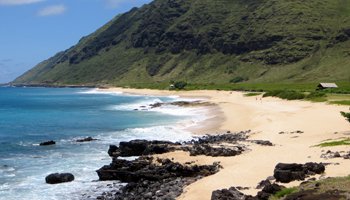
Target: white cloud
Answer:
[[18, 2], [52, 10], [116, 3]]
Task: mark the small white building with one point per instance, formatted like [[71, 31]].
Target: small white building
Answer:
[[323, 86]]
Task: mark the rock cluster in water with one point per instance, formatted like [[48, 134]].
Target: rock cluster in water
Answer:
[[88, 139], [47, 143]]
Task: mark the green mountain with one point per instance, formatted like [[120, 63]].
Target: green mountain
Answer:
[[209, 41]]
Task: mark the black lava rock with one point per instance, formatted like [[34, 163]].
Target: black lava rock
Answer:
[[59, 178], [286, 173], [51, 142], [141, 147], [88, 139]]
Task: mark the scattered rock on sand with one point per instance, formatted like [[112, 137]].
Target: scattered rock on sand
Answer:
[[262, 142], [205, 149], [59, 178], [51, 142]]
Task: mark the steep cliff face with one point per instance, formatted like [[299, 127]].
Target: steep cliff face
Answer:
[[206, 41]]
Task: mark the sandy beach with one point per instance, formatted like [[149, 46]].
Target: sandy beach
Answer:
[[267, 118]]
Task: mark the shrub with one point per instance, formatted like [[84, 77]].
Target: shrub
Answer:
[[285, 192], [180, 85], [238, 79], [313, 95], [346, 115], [289, 95]]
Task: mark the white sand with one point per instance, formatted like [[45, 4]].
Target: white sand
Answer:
[[266, 119]]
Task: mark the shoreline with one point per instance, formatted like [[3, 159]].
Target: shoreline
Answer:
[[267, 119]]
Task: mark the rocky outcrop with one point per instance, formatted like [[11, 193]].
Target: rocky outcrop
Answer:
[[148, 178], [167, 189], [145, 169], [268, 190], [201, 146], [205, 149], [141, 147], [59, 178], [181, 104], [234, 194], [88, 139], [286, 173], [48, 143], [231, 138], [230, 194]]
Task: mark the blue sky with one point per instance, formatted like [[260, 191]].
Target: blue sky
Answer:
[[34, 30]]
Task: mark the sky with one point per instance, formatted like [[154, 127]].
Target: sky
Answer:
[[34, 30]]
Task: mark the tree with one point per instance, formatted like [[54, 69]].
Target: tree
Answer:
[[180, 85], [346, 115]]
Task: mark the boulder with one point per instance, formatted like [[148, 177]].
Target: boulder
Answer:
[[113, 151], [88, 139], [317, 168], [286, 173], [262, 142], [268, 190], [230, 194], [225, 194], [59, 178], [51, 142]]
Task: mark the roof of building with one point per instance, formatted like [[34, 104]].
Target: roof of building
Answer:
[[328, 85]]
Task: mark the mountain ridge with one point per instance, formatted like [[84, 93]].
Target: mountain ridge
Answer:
[[204, 41]]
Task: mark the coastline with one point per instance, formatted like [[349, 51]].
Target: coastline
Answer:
[[267, 118]]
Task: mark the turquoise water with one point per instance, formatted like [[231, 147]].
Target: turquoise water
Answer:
[[29, 116]]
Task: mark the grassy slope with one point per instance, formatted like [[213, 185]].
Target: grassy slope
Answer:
[[330, 188], [308, 53]]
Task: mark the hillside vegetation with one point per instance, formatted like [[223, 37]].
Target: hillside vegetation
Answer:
[[209, 42]]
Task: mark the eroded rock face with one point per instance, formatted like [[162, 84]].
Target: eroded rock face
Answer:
[[286, 173], [59, 178]]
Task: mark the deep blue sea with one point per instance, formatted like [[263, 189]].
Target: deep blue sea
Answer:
[[29, 116]]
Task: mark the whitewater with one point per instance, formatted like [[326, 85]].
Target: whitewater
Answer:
[[29, 116]]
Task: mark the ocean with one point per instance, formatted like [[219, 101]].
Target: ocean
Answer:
[[29, 116]]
